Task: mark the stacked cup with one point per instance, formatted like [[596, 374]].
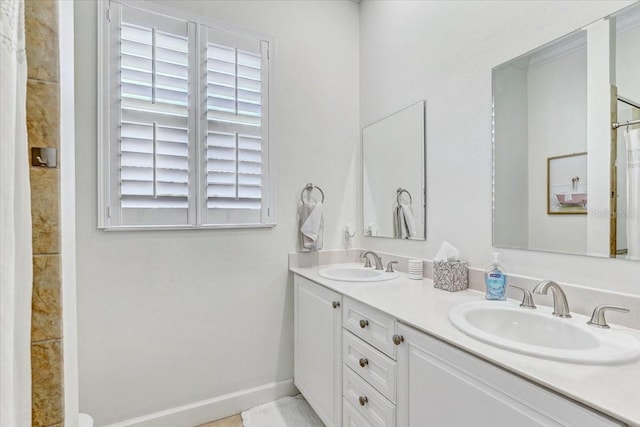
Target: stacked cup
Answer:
[[415, 269]]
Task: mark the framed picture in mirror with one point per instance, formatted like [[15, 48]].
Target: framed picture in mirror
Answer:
[[567, 184]]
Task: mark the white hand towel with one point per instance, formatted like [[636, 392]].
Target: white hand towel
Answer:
[[399, 224], [312, 228], [409, 219], [404, 222]]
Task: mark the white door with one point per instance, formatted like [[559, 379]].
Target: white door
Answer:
[[317, 348], [440, 385]]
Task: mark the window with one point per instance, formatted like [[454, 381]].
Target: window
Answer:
[[184, 136]]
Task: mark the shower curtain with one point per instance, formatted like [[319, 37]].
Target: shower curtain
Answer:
[[632, 138], [15, 223]]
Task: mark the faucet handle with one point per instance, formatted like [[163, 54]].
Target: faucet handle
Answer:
[[597, 318], [527, 297], [367, 261], [390, 266]]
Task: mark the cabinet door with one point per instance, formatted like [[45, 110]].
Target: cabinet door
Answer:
[[317, 348], [440, 385]]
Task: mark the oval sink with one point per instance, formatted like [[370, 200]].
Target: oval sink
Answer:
[[355, 273], [538, 333]]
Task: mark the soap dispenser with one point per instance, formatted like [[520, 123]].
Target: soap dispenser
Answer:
[[495, 280]]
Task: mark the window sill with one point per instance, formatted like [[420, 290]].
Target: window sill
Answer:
[[182, 227]]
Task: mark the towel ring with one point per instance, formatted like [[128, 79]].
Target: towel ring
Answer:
[[399, 192], [309, 187]]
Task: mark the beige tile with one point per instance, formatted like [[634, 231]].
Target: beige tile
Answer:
[[46, 374], [41, 30], [233, 421], [43, 114], [45, 210], [46, 317]]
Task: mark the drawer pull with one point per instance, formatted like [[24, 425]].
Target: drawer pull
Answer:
[[398, 339], [364, 323], [335, 304], [363, 400], [363, 362]]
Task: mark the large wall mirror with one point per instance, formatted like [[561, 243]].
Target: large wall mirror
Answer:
[[567, 143], [393, 175]]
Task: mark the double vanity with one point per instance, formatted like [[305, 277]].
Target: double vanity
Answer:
[[374, 348]]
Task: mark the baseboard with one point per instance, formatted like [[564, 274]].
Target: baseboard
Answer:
[[223, 406]]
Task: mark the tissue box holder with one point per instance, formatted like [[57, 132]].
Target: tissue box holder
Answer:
[[451, 276]]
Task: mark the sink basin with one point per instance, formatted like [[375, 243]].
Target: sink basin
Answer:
[[537, 333], [355, 273]]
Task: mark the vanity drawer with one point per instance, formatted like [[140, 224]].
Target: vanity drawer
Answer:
[[351, 417], [373, 366], [372, 405], [373, 326]]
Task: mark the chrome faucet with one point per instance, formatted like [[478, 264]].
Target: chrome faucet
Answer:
[[376, 258], [560, 305]]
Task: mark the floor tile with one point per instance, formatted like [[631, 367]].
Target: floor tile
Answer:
[[233, 421]]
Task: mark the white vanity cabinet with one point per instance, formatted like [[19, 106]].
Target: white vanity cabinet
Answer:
[[440, 385], [317, 348], [360, 367]]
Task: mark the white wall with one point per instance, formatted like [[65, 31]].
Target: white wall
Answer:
[[628, 63], [601, 74], [67, 205], [444, 52], [170, 318]]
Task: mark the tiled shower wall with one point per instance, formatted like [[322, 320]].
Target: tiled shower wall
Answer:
[[43, 126]]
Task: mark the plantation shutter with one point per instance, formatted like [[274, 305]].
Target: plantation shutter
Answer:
[[236, 127], [151, 126], [184, 137]]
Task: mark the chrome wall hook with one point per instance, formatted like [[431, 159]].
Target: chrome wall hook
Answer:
[[44, 157]]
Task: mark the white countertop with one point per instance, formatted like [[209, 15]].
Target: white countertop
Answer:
[[612, 390]]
